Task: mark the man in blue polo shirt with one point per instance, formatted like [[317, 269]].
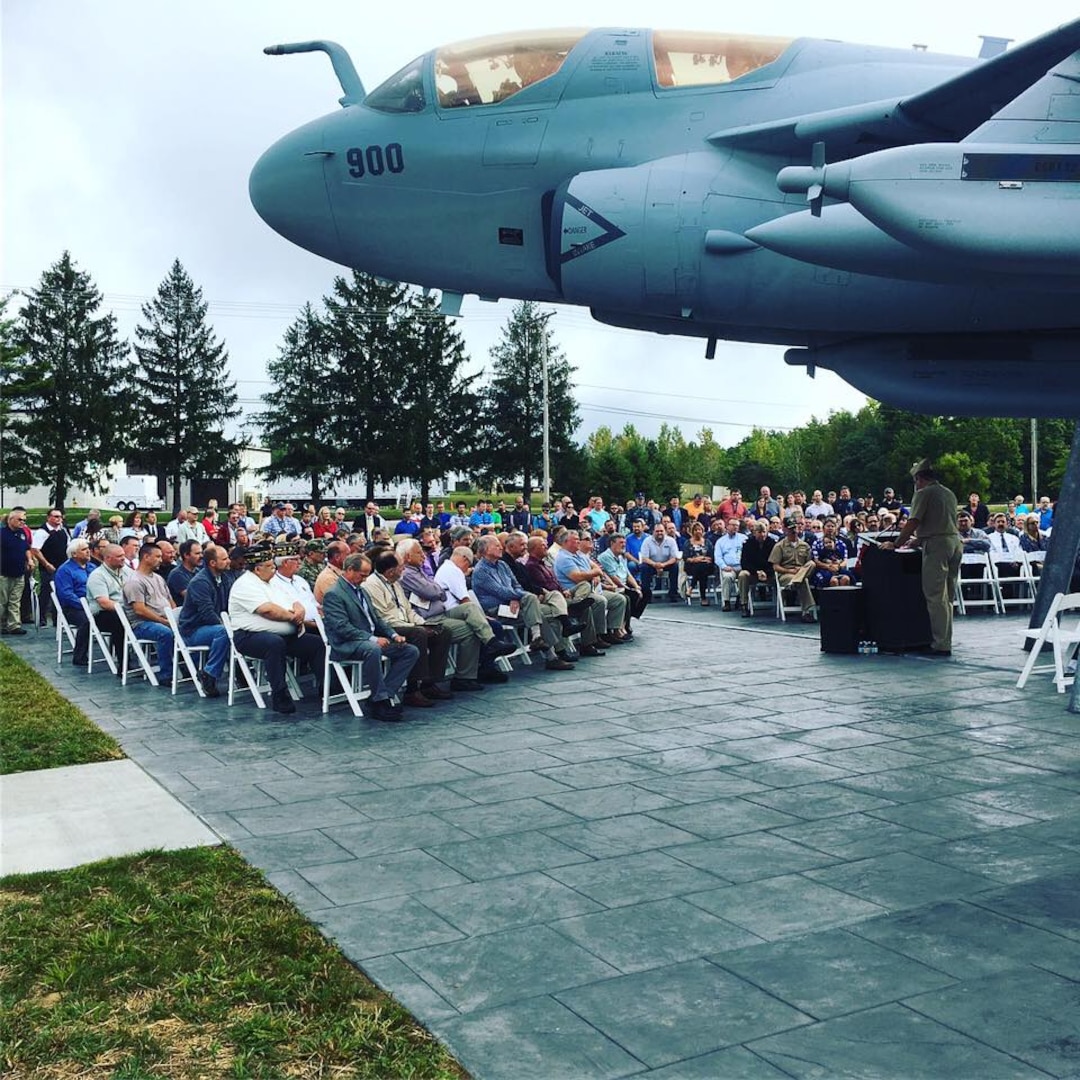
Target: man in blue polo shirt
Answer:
[[15, 563]]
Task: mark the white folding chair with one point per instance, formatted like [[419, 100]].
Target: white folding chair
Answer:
[[253, 671], [97, 637], [237, 660], [1017, 580], [765, 592], [35, 603], [143, 648], [193, 656], [349, 675], [1033, 567], [522, 650], [64, 629], [981, 582], [1062, 637], [785, 608]]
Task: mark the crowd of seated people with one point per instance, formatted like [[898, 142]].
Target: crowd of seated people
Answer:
[[490, 577]]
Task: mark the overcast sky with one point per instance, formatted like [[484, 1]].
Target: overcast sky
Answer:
[[129, 130]]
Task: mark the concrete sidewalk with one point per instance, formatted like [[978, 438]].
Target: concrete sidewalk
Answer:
[[716, 853], [53, 819]]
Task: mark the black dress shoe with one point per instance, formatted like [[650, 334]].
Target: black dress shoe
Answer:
[[558, 665], [17, 631], [282, 702], [579, 607], [383, 710], [209, 685], [464, 685], [590, 650], [435, 693], [495, 647], [566, 656], [491, 676]]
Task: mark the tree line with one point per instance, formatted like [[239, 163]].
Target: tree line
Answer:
[[372, 382]]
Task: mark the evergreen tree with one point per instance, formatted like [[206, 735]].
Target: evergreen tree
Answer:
[[437, 412], [13, 454], [514, 402], [365, 321], [70, 391], [184, 393], [301, 425]]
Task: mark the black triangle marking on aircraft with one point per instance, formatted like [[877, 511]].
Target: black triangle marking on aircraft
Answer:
[[609, 231]]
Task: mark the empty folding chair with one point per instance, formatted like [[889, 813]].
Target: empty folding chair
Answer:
[[1033, 565], [193, 656], [979, 582], [143, 648], [1061, 634], [99, 639]]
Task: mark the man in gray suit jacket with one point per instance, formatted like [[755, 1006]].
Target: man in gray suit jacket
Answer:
[[356, 632]]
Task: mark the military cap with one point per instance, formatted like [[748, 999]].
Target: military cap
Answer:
[[791, 522], [315, 545], [264, 553]]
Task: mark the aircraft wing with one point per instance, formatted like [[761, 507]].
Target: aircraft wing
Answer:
[[947, 112]]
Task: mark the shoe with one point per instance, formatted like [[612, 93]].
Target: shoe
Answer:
[[416, 700], [281, 702], [590, 650], [939, 652], [558, 665], [491, 676], [495, 647], [727, 605], [538, 644], [435, 693], [383, 710], [611, 639], [464, 685], [704, 602], [572, 626], [579, 607], [808, 617], [746, 613], [565, 657], [17, 632], [209, 685]]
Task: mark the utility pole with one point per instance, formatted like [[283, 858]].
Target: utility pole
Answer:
[[547, 424]]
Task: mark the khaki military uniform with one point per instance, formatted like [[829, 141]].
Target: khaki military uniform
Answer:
[[934, 512], [795, 553]]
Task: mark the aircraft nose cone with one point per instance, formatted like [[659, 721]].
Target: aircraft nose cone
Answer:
[[288, 190]]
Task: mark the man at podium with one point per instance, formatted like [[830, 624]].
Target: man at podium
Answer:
[[931, 526]]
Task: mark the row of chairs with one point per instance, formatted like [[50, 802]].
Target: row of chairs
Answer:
[[988, 585], [342, 679]]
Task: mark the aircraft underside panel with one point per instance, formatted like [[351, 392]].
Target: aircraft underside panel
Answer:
[[960, 375]]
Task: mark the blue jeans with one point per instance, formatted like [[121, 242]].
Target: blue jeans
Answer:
[[162, 637], [218, 640]]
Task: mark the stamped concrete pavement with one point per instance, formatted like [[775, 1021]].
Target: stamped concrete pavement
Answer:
[[715, 853]]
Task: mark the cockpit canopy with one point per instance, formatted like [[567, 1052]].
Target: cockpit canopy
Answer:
[[491, 70]]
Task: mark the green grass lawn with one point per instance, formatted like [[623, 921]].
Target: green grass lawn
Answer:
[[41, 729], [184, 965]]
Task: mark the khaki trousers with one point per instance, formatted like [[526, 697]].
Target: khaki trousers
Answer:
[[941, 556], [11, 590], [468, 628]]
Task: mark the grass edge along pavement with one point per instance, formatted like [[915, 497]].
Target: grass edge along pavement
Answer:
[[187, 964], [39, 727]]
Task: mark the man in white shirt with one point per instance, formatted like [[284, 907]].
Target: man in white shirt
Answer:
[[727, 554], [191, 528], [293, 588], [265, 628]]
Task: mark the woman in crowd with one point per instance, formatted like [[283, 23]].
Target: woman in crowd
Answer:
[[697, 562], [112, 530], [325, 524], [760, 509], [134, 524], [1031, 539]]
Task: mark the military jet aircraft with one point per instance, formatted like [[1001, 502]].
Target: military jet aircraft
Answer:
[[908, 220]]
